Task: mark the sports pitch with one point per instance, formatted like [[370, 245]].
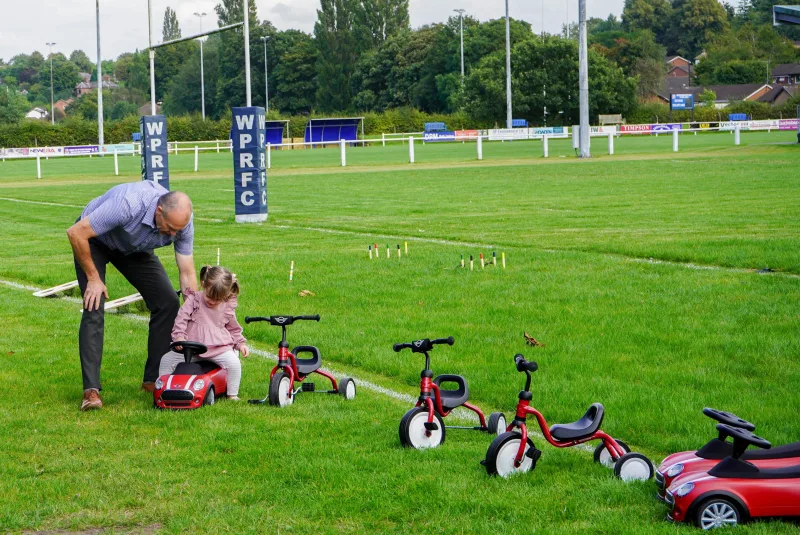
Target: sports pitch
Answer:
[[639, 272]]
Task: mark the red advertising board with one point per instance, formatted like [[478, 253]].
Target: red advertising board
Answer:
[[633, 128], [466, 134]]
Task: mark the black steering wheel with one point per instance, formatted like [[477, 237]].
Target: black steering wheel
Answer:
[[743, 438], [188, 348], [728, 418]]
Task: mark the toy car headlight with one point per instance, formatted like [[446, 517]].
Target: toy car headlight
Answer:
[[198, 385], [675, 470], [159, 384], [684, 490]]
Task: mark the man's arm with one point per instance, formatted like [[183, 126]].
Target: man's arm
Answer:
[[79, 235], [186, 270]]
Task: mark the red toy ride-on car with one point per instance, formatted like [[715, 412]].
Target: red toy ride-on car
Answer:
[[735, 490], [193, 383], [717, 449]]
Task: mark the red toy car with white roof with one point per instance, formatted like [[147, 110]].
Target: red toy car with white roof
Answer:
[[192, 384], [718, 448], [735, 490]]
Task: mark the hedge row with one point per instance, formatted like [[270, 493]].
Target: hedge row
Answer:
[[75, 131]]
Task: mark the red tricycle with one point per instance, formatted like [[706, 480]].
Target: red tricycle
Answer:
[[422, 427], [291, 369], [513, 452]]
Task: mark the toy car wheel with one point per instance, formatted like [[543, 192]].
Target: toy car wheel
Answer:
[[716, 513], [414, 434], [502, 454], [603, 456], [633, 467], [280, 390], [347, 388], [496, 423], [210, 398]]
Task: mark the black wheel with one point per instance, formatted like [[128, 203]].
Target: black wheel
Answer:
[[717, 513], [603, 456], [347, 388], [496, 423], [210, 398], [280, 390], [414, 434], [502, 454], [633, 467]]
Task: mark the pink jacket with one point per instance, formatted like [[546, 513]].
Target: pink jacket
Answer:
[[216, 328]]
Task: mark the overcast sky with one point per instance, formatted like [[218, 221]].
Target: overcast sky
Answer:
[[27, 25]]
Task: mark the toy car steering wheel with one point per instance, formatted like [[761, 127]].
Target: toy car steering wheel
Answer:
[[188, 348], [728, 418], [743, 436]]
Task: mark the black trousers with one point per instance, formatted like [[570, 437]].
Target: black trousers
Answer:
[[145, 273]]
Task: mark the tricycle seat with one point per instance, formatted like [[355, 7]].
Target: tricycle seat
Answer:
[[310, 365], [452, 398], [584, 427]]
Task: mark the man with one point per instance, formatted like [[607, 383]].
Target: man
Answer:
[[122, 227]]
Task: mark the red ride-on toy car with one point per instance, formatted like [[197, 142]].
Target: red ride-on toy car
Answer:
[[291, 369], [717, 449], [513, 452], [735, 490], [193, 383], [422, 427]]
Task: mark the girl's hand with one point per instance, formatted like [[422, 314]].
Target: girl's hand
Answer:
[[244, 351]]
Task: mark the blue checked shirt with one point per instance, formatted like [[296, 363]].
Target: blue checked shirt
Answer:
[[124, 220]]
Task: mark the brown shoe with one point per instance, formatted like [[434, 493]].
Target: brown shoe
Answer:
[[91, 400], [149, 386]]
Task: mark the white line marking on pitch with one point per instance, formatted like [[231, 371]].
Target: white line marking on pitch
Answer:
[[10, 199]]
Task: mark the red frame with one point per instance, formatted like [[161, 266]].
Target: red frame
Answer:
[[295, 376], [524, 409], [427, 386]]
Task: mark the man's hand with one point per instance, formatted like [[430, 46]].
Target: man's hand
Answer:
[[95, 289], [244, 351]]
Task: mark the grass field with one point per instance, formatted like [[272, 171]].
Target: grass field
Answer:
[[638, 272]]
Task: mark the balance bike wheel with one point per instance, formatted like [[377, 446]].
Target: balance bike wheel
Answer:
[[280, 390], [413, 431], [496, 423], [603, 456], [633, 467], [347, 388], [503, 451], [210, 398]]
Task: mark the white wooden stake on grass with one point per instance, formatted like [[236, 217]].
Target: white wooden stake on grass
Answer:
[[291, 271], [611, 144], [674, 141], [217, 255], [344, 154], [737, 135], [269, 155], [196, 157], [116, 163], [546, 146], [411, 149], [480, 147], [38, 167], [383, 139], [576, 143]]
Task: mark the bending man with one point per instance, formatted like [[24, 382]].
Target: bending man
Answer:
[[123, 227]]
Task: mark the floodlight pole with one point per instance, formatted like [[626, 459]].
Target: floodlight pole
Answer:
[[461, 24], [99, 82], [202, 76], [266, 77], [508, 70], [247, 53], [52, 106], [583, 82], [152, 59]]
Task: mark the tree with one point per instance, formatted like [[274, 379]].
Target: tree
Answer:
[[82, 61], [184, 94], [295, 74], [336, 59], [653, 15], [699, 21], [171, 29], [708, 98], [13, 106], [230, 84], [377, 20]]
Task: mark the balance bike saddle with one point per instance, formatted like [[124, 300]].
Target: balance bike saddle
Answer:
[[309, 365], [452, 398], [584, 427]]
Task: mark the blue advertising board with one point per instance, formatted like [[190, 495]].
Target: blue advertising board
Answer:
[[155, 157], [669, 127], [682, 101], [430, 137], [248, 136]]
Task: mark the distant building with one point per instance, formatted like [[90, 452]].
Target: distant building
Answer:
[[725, 94], [62, 104], [87, 87], [37, 113], [147, 108], [786, 74]]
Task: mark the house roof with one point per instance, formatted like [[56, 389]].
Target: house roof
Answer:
[[680, 68], [786, 69], [725, 93], [670, 59], [773, 94], [733, 92]]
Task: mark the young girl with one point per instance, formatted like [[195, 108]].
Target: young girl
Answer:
[[209, 317]]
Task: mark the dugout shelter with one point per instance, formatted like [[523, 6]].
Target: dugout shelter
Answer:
[[335, 129]]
